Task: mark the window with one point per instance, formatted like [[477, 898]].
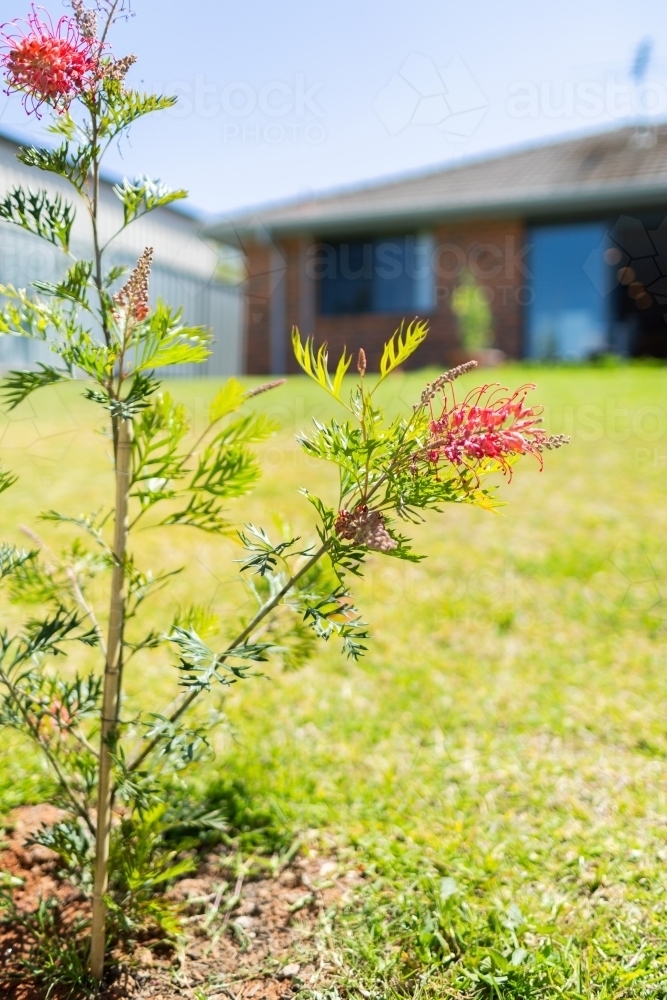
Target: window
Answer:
[[386, 275], [568, 307]]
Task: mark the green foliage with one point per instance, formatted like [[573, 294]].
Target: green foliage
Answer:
[[159, 432], [141, 864], [225, 471], [6, 480], [227, 400], [178, 742], [334, 615], [264, 554], [124, 107], [72, 163], [144, 195], [112, 345], [251, 824], [166, 342], [223, 467], [473, 312], [317, 365], [23, 316], [108, 756], [56, 954], [11, 558], [200, 665], [74, 285], [51, 218], [506, 722], [204, 513], [18, 385], [402, 345]]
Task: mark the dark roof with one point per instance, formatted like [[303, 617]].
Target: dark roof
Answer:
[[622, 168]]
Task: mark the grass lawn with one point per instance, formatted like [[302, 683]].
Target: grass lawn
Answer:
[[498, 761]]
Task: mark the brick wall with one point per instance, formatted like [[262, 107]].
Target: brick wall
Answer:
[[493, 251], [257, 289]]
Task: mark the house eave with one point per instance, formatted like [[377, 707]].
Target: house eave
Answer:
[[573, 201]]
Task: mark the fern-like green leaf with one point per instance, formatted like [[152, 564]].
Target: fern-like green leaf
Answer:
[[126, 107], [46, 216], [12, 558], [23, 316], [167, 342], [19, 385], [251, 429], [7, 479], [317, 365], [73, 286], [71, 162], [225, 471], [401, 345], [205, 513], [227, 400], [143, 195]]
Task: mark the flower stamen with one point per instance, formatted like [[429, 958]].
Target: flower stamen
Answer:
[[49, 64], [489, 426]]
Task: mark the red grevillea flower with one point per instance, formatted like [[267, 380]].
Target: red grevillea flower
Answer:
[[48, 64], [489, 425]]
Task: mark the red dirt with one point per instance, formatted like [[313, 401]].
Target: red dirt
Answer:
[[266, 948]]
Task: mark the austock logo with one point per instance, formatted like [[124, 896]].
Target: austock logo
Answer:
[[640, 258], [448, 99]]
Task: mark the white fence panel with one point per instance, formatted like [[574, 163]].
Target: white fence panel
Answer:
[[25, 258]]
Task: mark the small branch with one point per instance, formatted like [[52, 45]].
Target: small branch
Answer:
[[186, 700], [399, 457], [16, 698], [83, 739], [122, 229], [110, 18], [87, 608], [74, 584]]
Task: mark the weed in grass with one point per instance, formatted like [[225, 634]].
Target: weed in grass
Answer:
[[54, 952]]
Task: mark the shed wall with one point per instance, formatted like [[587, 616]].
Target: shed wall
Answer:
[[183, 271]]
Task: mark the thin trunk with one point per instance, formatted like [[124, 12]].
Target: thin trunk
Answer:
[[112, 676]]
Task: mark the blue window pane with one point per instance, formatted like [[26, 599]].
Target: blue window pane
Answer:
[[567, 314], [392, 285], [390, 275], [346, 283]]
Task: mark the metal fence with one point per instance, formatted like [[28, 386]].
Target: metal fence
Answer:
[[25, 258]]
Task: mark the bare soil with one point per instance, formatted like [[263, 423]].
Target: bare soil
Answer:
[[265, 948]]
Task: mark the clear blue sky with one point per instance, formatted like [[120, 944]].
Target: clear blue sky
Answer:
[[288, 98]]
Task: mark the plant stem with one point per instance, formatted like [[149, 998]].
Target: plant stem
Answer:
[[187, 699], [111, 696]]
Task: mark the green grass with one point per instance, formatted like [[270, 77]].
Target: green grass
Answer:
[[498, 761]]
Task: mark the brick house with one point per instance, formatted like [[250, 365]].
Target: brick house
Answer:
[[567, 241]]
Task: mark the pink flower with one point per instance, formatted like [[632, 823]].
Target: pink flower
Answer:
[[131, 302], [489, 425], [49, 65]]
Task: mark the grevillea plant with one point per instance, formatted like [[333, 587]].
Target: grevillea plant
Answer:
[[105, 337]]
